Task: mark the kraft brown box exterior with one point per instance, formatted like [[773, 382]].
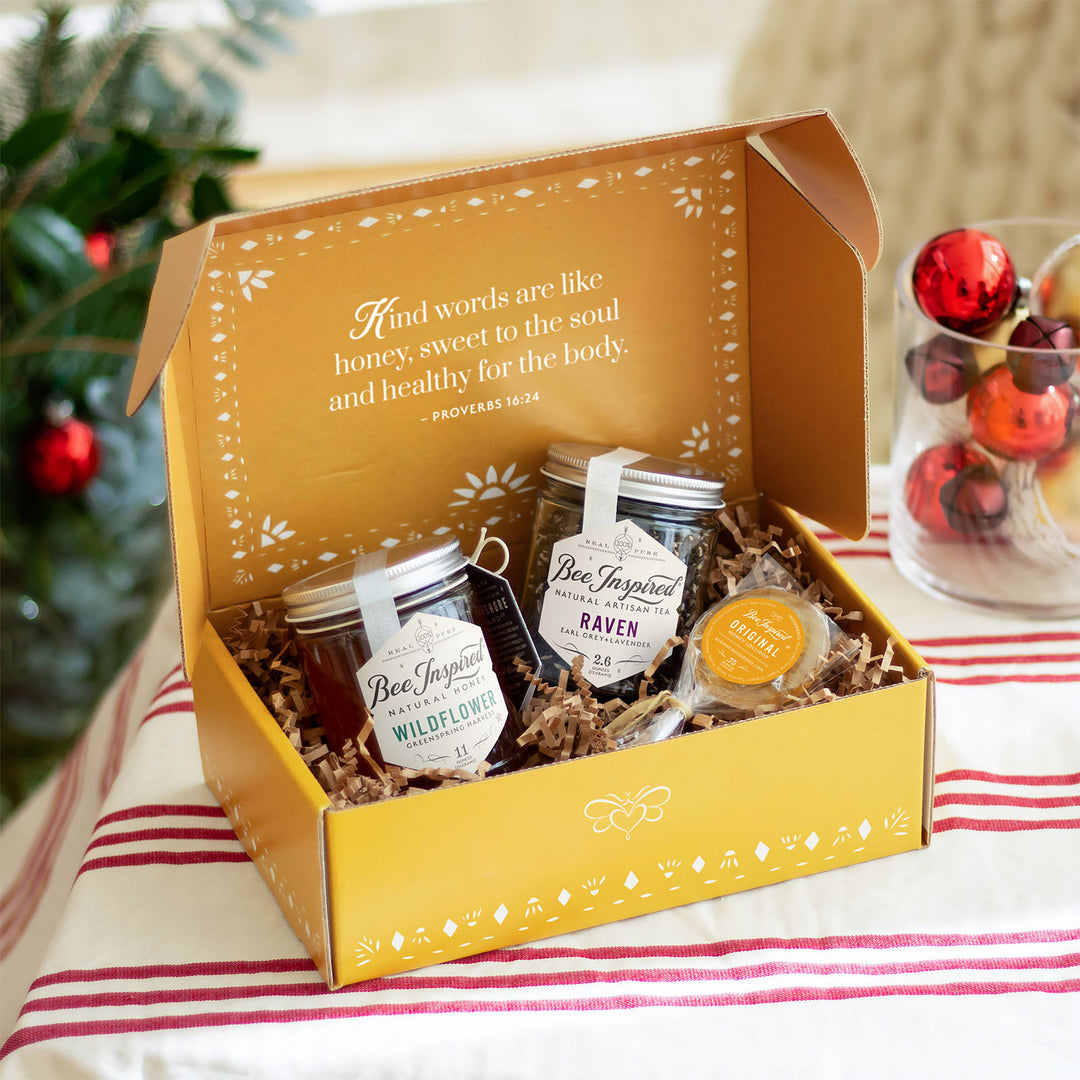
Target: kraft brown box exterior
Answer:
[[393, 363]]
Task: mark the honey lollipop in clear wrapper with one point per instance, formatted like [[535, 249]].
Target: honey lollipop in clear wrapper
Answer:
[[764, 647]]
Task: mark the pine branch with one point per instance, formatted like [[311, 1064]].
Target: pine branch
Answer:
[[77, 295], [78, 114], [36, 68], [54, 21], [85, 343]]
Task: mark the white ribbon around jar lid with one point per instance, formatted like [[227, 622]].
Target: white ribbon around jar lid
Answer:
[[375, 597], [602, 480]]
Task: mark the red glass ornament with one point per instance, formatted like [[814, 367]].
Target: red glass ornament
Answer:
[[964, 280], [974, 500], [61, 458], [1036, 371], [1016, 425], [942, 368], [928, 475]]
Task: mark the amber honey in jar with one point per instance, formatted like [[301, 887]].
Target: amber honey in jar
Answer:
[[621, 550], [398, 632]]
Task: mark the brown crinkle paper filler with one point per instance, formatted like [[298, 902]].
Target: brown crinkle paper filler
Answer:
[[266, 652], [564, 720]]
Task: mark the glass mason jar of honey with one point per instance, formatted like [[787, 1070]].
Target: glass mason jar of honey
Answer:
[[397, 635], [621, 551]]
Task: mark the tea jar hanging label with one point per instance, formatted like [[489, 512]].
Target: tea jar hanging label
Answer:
[[613, 598]]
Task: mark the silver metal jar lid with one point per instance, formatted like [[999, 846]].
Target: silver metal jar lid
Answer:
[[650, 479], [409, 567]]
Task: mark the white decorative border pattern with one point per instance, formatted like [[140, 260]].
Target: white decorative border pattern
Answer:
[[240, 272]]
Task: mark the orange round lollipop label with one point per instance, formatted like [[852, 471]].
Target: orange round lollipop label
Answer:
[[752, 640]]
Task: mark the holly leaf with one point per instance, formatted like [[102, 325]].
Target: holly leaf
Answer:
[[82, 196], [139, 196], [209, 198], [37, 135], [144, 177], [230, 153], [49, 243]]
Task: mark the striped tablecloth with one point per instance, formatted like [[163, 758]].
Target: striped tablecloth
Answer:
[[139, 941]]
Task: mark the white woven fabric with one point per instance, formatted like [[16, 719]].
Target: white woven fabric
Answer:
[[171, 959]]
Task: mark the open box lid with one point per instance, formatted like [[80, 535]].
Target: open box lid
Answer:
[[360, 370]]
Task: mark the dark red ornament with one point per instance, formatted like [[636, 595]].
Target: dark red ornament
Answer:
[[1036, 371], [942, 368], [61, 458], [964, 280], [928, 475], [1017, 425], [974, 500]]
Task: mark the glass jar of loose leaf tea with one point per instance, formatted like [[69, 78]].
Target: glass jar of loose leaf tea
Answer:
[[621, 550]]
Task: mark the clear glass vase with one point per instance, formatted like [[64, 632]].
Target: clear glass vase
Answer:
[[985, 475]]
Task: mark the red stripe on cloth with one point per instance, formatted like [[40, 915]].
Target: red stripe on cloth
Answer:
[[527, 953], [21, 900], [543, 979], [994, 680], [1026, 779], [172, 681], [167, 833], [856, 553], [164, 710], [163, 858], [121, 717], [160, 810], [784, 995], [973, 798], [995, 639], [1016, 658], [164, 687], [195, 969], [181, 685], [1003, 824], [51, 824], [738, 945]]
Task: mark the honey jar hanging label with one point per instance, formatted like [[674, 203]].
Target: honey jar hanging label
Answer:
[[613, 596], [434, 698]]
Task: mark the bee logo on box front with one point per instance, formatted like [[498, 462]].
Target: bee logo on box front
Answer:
[[627, 813]]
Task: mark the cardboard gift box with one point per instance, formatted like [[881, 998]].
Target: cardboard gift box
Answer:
[[393, 363]]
